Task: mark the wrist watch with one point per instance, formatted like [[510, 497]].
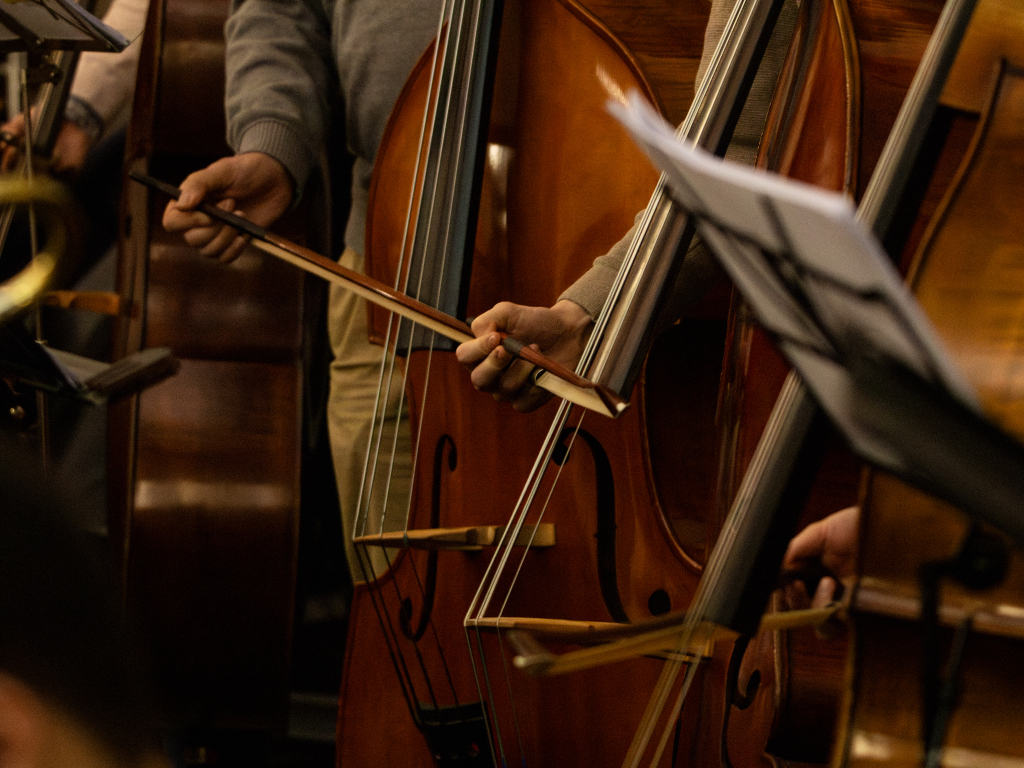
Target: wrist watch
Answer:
[[79, 113]]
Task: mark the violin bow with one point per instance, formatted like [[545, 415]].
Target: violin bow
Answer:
[[553, 377]]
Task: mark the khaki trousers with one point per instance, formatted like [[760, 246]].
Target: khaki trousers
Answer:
[[356, 380]]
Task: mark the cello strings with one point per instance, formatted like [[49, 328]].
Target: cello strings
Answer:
[[885, 186], [387, 380], [509, 551], [452, 64], [488, 583], [696, 127], [447, 238], [447, 234], [415, 221], [450, 151], [492, 723], [511, 697], [500, 564], [543, 508], [414, 224], [362, 519]]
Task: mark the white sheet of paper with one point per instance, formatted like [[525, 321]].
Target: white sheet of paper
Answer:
[[815, 275]]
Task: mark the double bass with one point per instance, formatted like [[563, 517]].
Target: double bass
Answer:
[[854, 61], [204, 469], [951, 600], [770, 682], [658, 600], [938, 708], [544, 149]]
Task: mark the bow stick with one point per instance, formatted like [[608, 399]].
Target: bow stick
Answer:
[[555, 378], [658, 636]]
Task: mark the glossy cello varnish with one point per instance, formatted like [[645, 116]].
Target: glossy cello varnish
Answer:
[[562, 183], [849, 67], [205, 466], [966, 274]]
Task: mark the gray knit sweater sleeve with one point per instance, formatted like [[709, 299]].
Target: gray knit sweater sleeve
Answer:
[[279, 78]]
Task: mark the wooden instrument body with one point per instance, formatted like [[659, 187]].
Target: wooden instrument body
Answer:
[[204, 468], [848, 69], [966, 276], [561, 184]]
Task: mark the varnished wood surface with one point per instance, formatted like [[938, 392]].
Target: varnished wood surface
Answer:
[[967, 277], [204, 467], [986, 728], [844, 94], [666, 38], [562, 184]]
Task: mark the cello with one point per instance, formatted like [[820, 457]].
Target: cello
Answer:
[[882, 47], [405, 535], [891, 592], [204, 470], [748, 675], [454, 489], [951, 601]]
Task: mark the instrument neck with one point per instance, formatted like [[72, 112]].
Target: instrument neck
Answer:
[[453, 143], [625, 327]]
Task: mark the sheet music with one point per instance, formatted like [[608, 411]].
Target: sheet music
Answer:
[[116, 39], [816, 277], [55, 25]]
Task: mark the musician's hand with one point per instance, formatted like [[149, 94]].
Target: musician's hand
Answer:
[[13, 134], [253, 185], [69, 150], [560, 333], [830, 545]]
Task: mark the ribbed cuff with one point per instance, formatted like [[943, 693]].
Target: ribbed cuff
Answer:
[[284, 145], [79, 113], [592, 289]]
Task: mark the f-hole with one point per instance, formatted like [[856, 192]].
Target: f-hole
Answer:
[[442, 457], [604, 487], [735, 697]]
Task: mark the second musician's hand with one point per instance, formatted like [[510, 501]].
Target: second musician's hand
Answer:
[[559, 332], [252, 185]]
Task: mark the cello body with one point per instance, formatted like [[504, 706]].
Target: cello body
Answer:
[[561, 185], [204, 468], [965, 275], [848, 70]]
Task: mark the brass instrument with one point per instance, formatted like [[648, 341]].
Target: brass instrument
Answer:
[[54, 210]]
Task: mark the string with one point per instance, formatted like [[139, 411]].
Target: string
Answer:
[[371, 455], [697, 126], [367, 497], [425, 231]]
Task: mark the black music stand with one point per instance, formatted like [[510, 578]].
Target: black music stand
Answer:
[[44, 368], [846, 322], [41, 26]]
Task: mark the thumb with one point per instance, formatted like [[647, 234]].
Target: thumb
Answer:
[[192, 194], [210, 182]]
